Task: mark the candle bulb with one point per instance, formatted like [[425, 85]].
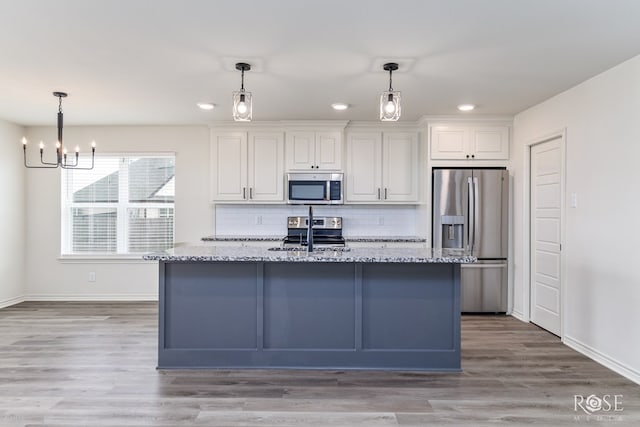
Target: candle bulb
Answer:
[[24, 141], [41, 146], [93, 146], [77, 149]]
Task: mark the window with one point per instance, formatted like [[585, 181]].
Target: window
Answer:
[[125, 205]]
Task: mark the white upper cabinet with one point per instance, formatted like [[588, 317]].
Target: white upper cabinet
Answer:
[[364, 167], [469, 142], [247, 166], [266, 166], [308, 150], [400, 167], [382, 168]]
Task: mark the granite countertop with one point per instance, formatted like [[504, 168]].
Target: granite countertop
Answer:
[[363, 255], [242, 238], [374, 239]]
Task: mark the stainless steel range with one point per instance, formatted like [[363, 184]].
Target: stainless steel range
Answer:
[[327, 231]]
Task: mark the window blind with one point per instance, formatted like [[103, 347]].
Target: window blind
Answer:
[[125, 205]]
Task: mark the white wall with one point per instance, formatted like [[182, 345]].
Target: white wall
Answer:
[[12, 210], [602, 236], [49, 278]]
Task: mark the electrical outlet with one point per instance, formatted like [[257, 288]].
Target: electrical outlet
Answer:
[[380, 220], [92, 276], [258, 219], [574, 200]]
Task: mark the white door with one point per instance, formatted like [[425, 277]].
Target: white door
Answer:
[[364, 177], [400, 167], [328, 150], [546, 223], [229, 166], [449, 142], [266, 166], [300, 148]]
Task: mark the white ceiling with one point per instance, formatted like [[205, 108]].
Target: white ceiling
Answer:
[[151, 61]]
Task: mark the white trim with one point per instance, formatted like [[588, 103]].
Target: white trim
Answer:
[[11, 301], [103, 259], [526, 227], [603, 359], [518, 315], [92, 297]]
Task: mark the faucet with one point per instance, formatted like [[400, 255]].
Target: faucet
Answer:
[[310, 230]]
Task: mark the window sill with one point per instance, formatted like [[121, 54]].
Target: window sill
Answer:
[[103, 259]]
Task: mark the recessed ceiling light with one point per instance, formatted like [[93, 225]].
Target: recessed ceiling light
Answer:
[[466, 107], [339, 106], [206, 105]]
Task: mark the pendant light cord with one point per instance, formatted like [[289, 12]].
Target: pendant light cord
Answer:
[[390, 88], [59, 104], [242, 80]]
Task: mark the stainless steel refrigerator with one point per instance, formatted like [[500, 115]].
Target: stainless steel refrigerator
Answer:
[[470, 209]]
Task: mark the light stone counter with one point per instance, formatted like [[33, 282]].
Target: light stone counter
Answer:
[[353, 255], [373, 239]]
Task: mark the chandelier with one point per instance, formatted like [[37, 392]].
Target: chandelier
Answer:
[[62, 159]]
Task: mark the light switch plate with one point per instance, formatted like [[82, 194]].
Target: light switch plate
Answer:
[[574, 200]]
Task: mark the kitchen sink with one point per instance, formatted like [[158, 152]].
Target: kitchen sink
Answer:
[[315, 249]]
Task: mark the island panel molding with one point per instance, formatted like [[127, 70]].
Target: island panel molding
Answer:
[[320, 311]]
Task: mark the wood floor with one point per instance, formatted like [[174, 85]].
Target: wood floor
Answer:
[[93, 364]]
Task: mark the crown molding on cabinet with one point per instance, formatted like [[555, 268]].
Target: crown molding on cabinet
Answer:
[[427, 120], [280, 125]]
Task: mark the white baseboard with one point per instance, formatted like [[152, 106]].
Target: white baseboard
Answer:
[[603, 359], [11, 301], [92, 297], [520, 316]]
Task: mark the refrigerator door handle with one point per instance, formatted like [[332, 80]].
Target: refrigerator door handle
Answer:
[[476, 212], [470, 214]]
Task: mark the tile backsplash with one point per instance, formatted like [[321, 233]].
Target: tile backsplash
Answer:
[[358, 220]]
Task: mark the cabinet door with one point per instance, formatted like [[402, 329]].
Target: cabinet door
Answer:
[[364, 174], [490, 142], [400, 167], [328, 148], [229, 166], [266, 166], [301, 150], [449, 142]]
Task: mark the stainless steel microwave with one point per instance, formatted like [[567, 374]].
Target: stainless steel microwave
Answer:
[[315, 188]]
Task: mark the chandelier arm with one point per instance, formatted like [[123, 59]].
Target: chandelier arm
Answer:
[[46, 163], [81, 168], [27, 165]]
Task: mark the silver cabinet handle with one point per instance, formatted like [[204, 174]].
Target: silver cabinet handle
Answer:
[[385, 193], [251, 192], [378, 194], [244, 193]]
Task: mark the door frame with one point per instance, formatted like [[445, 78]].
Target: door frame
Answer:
[[526, 231]]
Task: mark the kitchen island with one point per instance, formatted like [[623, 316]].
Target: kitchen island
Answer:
[[365, 308]]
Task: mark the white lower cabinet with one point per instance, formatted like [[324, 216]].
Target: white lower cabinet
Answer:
[[247, 167], [382, 167]]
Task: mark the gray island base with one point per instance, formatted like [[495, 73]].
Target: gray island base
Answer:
[[361, 309]]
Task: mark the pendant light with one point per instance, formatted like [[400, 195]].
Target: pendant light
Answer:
[[61, 151], [390, 100], [242, 102]]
